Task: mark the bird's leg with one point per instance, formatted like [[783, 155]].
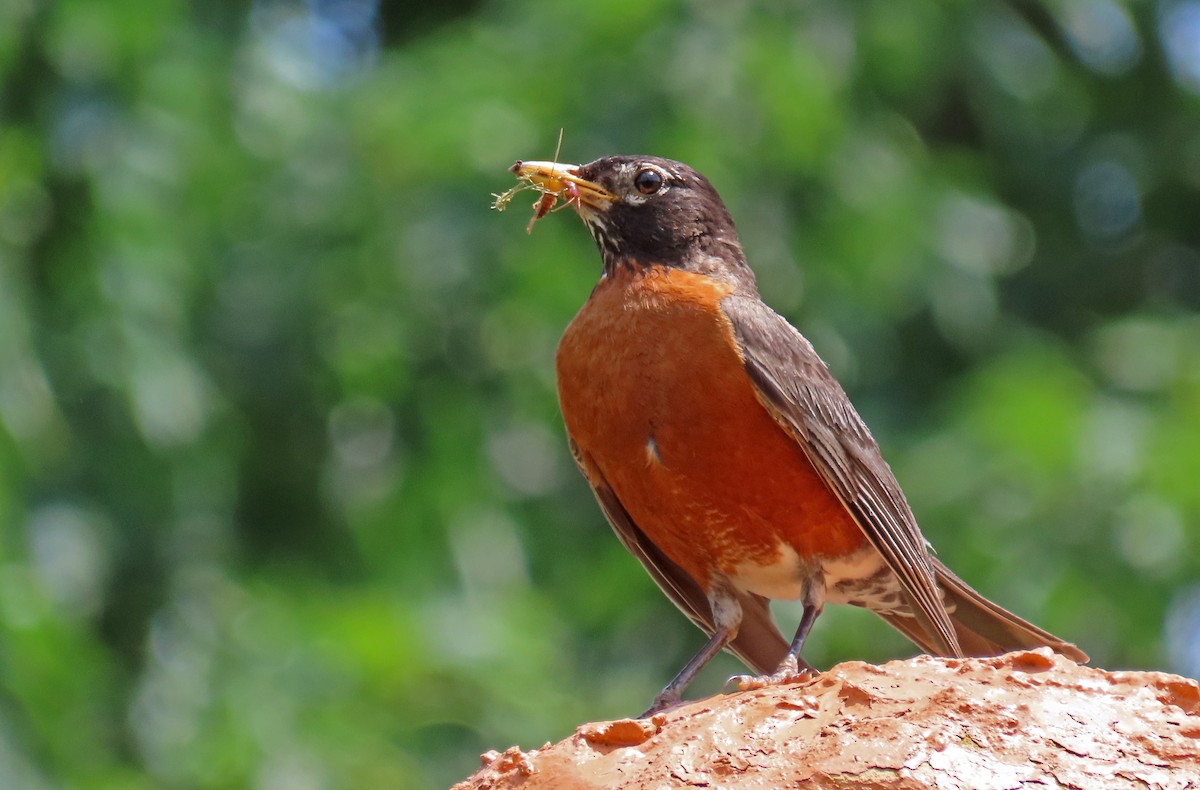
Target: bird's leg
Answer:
[[727, 618], [671, 696], [789, 669], [792, 669]]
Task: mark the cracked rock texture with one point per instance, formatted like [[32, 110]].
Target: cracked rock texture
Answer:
[[1024, 720]]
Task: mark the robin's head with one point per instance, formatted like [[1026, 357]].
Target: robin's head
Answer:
[[644, 211]]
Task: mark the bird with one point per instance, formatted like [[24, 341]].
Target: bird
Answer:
[[721, 449]]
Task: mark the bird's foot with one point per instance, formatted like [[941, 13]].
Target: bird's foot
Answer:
[[664, 702], [790, 671]]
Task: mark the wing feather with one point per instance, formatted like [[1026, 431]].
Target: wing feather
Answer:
[[758, 642], [796, 387]]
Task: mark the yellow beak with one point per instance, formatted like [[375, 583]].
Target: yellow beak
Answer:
[[564, 181]]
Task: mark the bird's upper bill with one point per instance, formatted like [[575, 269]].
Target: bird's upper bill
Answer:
[[563, 181]]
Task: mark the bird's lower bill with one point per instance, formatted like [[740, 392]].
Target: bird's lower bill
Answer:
[[563, 181]]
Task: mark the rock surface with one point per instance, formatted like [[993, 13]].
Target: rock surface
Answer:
[[1027, 719]]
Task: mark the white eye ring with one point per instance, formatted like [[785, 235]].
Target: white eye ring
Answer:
[[649, 181]]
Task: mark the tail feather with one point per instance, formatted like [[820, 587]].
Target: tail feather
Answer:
[[983, 628], [758, 643]]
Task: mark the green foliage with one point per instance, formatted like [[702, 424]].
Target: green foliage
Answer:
[[284, 497]]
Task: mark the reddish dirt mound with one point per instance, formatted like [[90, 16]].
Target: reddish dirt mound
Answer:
[[1020, 720]]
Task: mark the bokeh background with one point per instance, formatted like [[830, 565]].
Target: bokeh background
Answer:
[[284, 496]]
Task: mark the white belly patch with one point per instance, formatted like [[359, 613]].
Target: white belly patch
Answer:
[[782, 579], [863, 579], [859, 579]]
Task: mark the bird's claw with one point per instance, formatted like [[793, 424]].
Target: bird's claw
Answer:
[[788, 672]]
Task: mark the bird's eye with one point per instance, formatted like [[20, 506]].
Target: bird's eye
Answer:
[[648, 181]]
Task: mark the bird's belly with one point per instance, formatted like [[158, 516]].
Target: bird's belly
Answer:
[[653, 389]]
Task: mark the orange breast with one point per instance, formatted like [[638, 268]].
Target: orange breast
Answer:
[[653, 389]]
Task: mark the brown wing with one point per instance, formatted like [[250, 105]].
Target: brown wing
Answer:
[[758, 643], [797, 388]]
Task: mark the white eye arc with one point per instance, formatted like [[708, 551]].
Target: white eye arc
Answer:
[[649, 181]]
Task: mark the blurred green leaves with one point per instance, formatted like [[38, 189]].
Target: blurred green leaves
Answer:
[[284, 499]]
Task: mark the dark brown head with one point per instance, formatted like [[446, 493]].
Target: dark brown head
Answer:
[[645, 211]]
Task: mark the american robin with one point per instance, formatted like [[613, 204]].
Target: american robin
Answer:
[[722, 451]]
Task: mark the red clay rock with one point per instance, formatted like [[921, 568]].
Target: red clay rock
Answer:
[[1026, 719]]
